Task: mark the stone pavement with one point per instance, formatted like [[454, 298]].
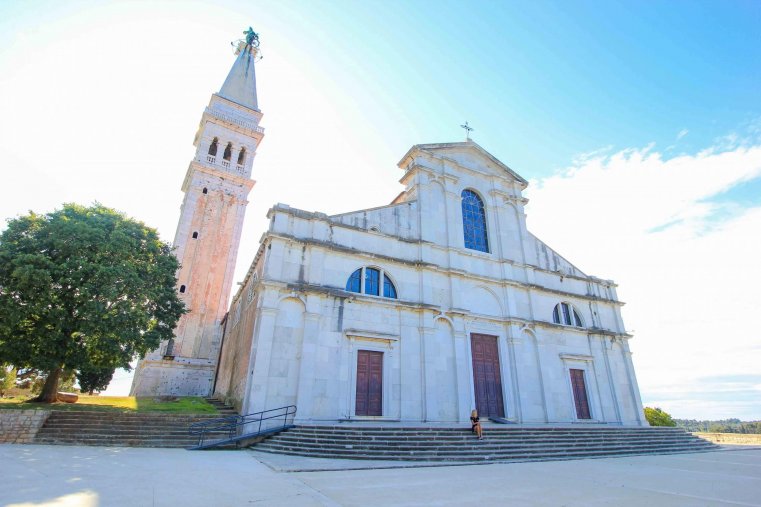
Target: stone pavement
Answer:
[[62, 476]]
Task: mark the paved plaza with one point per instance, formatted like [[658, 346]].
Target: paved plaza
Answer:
[[61, 476]]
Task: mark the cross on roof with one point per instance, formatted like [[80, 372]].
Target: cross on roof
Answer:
[[468, 130]]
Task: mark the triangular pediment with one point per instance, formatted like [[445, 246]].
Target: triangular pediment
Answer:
[[465, 154]]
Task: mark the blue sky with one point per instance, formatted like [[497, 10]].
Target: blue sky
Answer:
[[637, 123]]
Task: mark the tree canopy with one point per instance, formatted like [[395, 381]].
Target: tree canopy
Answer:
[[657, 417], [83, 288]]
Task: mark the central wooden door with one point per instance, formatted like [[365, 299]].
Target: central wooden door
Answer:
[[369, 383], [486, 375], [579, 387]]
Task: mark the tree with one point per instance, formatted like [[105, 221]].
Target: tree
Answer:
[[93, 378], [657, 417], [7, 378], [83, 287]]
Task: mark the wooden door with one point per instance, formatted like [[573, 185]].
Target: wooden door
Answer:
[[369, 383], [486, 375], [579, 387]]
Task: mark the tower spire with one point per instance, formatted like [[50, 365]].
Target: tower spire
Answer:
[[240, 85]]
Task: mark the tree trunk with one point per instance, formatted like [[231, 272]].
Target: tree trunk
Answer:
[[49, 392]]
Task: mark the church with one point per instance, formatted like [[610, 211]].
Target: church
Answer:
[[419, 311]]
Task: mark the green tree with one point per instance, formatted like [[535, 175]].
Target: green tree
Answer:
[[92, 378], [657, 417], [83, 287], [7, 378]]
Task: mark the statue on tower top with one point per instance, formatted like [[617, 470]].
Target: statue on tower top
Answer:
[[252, 38]]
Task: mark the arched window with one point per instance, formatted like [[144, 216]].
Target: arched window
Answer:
[[205, 190], [182, 288], [228, 152], [213, 147], [565, 313], [389, 291], [474, 222], [195, 234], [368, 281], [242, 156]]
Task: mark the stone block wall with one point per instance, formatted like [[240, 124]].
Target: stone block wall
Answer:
[[21, 426]]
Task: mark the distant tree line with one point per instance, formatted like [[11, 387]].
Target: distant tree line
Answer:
[[720, 426]]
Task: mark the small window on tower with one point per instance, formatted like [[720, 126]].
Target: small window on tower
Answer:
[[195, 234], [205, 191], [228, 152], [213, 147], [182, 288], [242, 156]]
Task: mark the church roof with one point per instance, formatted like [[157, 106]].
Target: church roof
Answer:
[[470, 145], [240, 85]]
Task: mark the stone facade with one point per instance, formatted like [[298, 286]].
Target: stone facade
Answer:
[[297, 333], [21, 426]]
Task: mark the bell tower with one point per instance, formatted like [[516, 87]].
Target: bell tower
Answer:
[[216, 188]]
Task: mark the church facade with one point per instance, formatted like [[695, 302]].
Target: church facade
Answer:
[[425, 309], [420, 311]]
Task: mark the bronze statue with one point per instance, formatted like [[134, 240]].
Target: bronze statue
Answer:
[[252, 38]]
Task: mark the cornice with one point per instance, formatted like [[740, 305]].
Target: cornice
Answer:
[[458, 313], [196, 166], [421, 264]]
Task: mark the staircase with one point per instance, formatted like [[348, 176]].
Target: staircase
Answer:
[[223, 409], [143, 429], [499, 444]]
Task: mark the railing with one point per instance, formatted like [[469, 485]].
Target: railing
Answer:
[[240, 427], [211, 159], [226, 164], [241, 168]]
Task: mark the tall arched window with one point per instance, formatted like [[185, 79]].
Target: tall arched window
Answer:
[[474, 222], [368, 281], [565, 313], [242, 156], [213, 147], [228, 152]]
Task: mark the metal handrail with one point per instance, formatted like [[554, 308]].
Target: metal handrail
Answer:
[[231, 424]]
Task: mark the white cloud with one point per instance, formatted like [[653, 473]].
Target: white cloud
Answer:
[[682, 133], [688, 268]]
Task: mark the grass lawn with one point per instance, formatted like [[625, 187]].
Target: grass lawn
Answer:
[[180, 405]]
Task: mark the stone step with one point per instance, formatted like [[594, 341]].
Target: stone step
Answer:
[[416, 434], [122, 429], [495, 429], [480, 450], [221, 407], [105, 416], [120, 443], [490, 457], [127, 434], [368, 426], [115, 424], [495, 441], [466, 435], [458, 444], [480, 445]]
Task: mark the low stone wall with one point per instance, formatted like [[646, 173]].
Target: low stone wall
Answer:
[[731, 438], [21, 426]]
